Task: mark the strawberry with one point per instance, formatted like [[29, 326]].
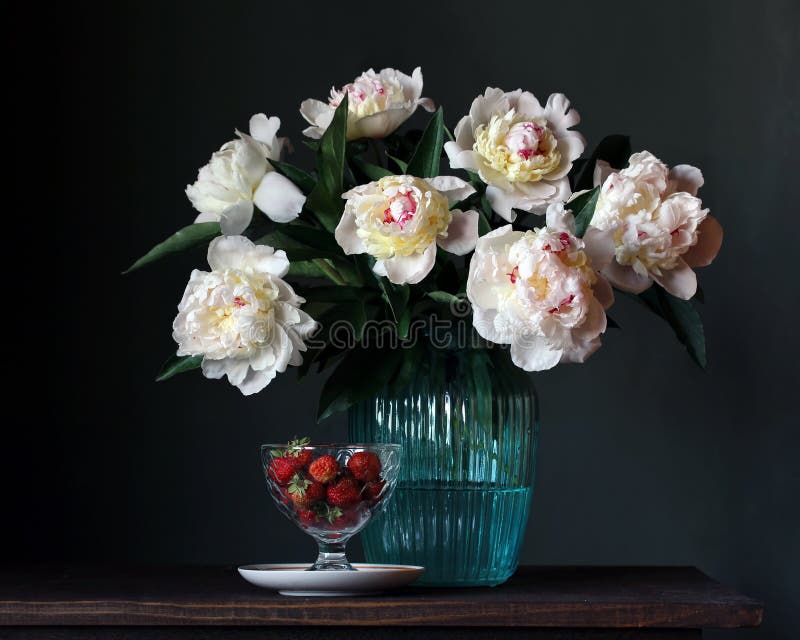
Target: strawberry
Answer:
[[299, 458], [365, 465], [372, 490], [345, 493], [307, 516], [295, 453], [324, 469], [281, 471], [304, 492]]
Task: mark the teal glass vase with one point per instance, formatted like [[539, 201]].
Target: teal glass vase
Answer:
[[468, 425]]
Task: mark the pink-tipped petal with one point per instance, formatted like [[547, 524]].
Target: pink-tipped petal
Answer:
[[709, 241], [681, 281], [625, 278], [462, 234]]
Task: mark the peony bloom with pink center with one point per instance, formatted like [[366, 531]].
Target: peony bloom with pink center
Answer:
[[658, 225], [241, 316], [539, 292], [400, 220], [378, 103], [522, 150]]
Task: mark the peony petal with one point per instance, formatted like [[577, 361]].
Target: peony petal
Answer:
[[279, 198], [207, 217], [684, 177], [493, 101], [255, 381], [459, 159], [484, 322], [603, 292], [558, 113], [593, 324], [625, 278], [410, 269], [236, 218], [427, 104], [379, 269], [229, 252], [709, 241], [316, 112], [580, 351], [315, 133], [502, 202], [454, 188], [601, 171], [529, 106], [265, 259], [379, 125], [599, 246], [533, 353], [570, 147], [462, 234], [681, 281], [264, 129], [465, 137], [346, 235]]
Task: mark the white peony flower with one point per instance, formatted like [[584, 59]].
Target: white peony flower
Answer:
[[659, 228], [521, 150], [239, 175], [242, 317], [378, 103], [400, 220], [538, 291]]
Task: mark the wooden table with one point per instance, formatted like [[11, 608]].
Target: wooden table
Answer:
[[666, 603]]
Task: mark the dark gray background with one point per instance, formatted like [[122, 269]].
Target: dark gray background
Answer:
[[644, 459]]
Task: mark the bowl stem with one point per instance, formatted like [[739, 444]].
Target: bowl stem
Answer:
[[332, 557]]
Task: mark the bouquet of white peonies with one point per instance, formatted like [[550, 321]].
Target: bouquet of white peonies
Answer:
[[348, 265]]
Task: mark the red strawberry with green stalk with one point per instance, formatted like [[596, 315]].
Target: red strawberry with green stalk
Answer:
[[281, 471], [365, 465], [324, 469], [331, 514], [295, 453], [304, 492], [345, 493]]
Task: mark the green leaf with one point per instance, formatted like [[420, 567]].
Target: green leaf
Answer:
[[303, 180], [306, 269], [178, 364], [395, 295], [325, 199], [682, 317], [372, 171], [348, 383], [187, 238], [285, 236], [404, 323], [403, 166], [409, 366], [444, 297], [337, 294], [350, 314], [311, 237], [582, 208], [427, 156]]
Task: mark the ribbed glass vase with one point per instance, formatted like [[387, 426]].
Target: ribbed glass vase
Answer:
[[468, 423]]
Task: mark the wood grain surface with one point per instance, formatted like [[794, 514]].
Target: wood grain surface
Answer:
[[544, 597]]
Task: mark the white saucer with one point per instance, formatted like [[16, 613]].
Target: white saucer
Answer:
[[294, 580]]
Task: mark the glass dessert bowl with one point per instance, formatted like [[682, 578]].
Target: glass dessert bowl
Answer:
[[331, 491]]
